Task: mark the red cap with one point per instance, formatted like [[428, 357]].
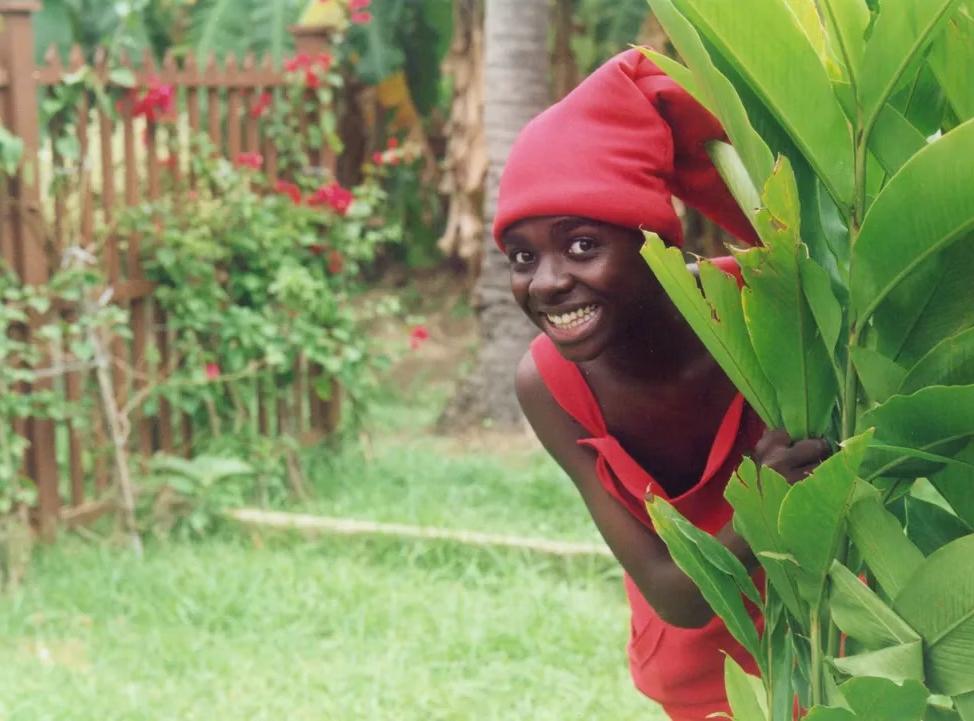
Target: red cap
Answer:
[[616, 149]]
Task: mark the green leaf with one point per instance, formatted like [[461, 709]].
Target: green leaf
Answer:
[[934, 419], [745, 693], [885, 549], [829, 713], [964, 703], [895, 238], [716, 92], [798, 92], [862, 615], [951, 58], [931, 527], [932, 303], [846, 22], [720, 589], [899, 36], [812, 515], [950, 362], [783, 330], [821, 300], [756, 495], [122, 76], [938, 601], [956, 484], [880, 376], [717, 321], [879, 699], [731, 168], [896, 663], [894, 140]]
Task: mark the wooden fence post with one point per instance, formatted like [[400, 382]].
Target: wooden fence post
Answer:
[[31, 258]]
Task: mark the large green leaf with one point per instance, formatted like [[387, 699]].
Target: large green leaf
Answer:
[[956, 484], [706, 561], [951, 58], [896, 663], [745, 693], [797, 92], [879, 699], [931, 527], [932, 303], [899, 36], [894, 140], [716, 92], [812, 515], [846, 22], [717, 320], [756, 495], [880, 377], [862, 615], [950, 362], [896, 236], [938, 601], [938, 419], [784, 334], [883, 546]]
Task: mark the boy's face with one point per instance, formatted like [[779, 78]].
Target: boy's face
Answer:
[[581, 281]]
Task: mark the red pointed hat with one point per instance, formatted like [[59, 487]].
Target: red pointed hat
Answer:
[[616, 149]]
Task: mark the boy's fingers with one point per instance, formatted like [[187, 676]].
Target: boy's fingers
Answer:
[[770, 439], [809, 451]]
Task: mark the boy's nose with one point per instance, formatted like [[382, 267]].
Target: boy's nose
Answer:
[[550, 279]]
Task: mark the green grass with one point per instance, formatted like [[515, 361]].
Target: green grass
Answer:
[[240, 627]]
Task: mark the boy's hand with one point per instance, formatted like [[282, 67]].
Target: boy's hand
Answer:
[[793, 460]]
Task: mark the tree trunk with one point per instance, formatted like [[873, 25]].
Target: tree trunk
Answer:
[[516, 89]]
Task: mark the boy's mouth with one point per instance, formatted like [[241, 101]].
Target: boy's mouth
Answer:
[[573, 324]]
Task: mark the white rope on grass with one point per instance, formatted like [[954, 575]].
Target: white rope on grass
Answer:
[[348, 526]]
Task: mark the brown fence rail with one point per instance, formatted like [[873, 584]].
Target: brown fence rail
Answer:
[[122, 163]]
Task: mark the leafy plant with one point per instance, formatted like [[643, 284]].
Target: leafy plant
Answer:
[[852, 138]]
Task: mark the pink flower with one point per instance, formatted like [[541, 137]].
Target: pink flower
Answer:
[[283, 187], [311, 79], [324, 61], [254, 161], [332, 195], [393, 143], [358, 4], [363, 17], [377, 158], [417, 336], [336, 262], [260, 106], [212, 371]]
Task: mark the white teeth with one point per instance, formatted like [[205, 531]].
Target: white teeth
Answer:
[[572, 318]]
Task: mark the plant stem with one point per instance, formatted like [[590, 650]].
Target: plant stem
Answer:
[[815, 638]]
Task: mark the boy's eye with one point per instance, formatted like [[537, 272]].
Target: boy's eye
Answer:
[[521, 257], [581, 246]]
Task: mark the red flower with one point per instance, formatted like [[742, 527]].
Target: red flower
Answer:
[[170, 162], [393, 143], [363, 17], [212, 371], [254, 161], [317, 248], [332, 195], [336, 262], [377, 158], [260, 106], [298, 62], [417, 336], [324, 61], [282, 187], [311, 79], [155, 102], [358, 4]]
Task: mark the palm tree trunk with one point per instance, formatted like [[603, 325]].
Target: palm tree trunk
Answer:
[[516, 78]]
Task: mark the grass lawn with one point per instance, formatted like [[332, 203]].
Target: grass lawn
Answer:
[[238, 627]]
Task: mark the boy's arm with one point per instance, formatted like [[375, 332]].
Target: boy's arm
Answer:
[[642, 554]]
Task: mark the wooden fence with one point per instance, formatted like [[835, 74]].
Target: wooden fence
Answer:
[[119, 166]]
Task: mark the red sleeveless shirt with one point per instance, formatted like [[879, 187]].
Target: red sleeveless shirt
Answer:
[[680, 668]]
